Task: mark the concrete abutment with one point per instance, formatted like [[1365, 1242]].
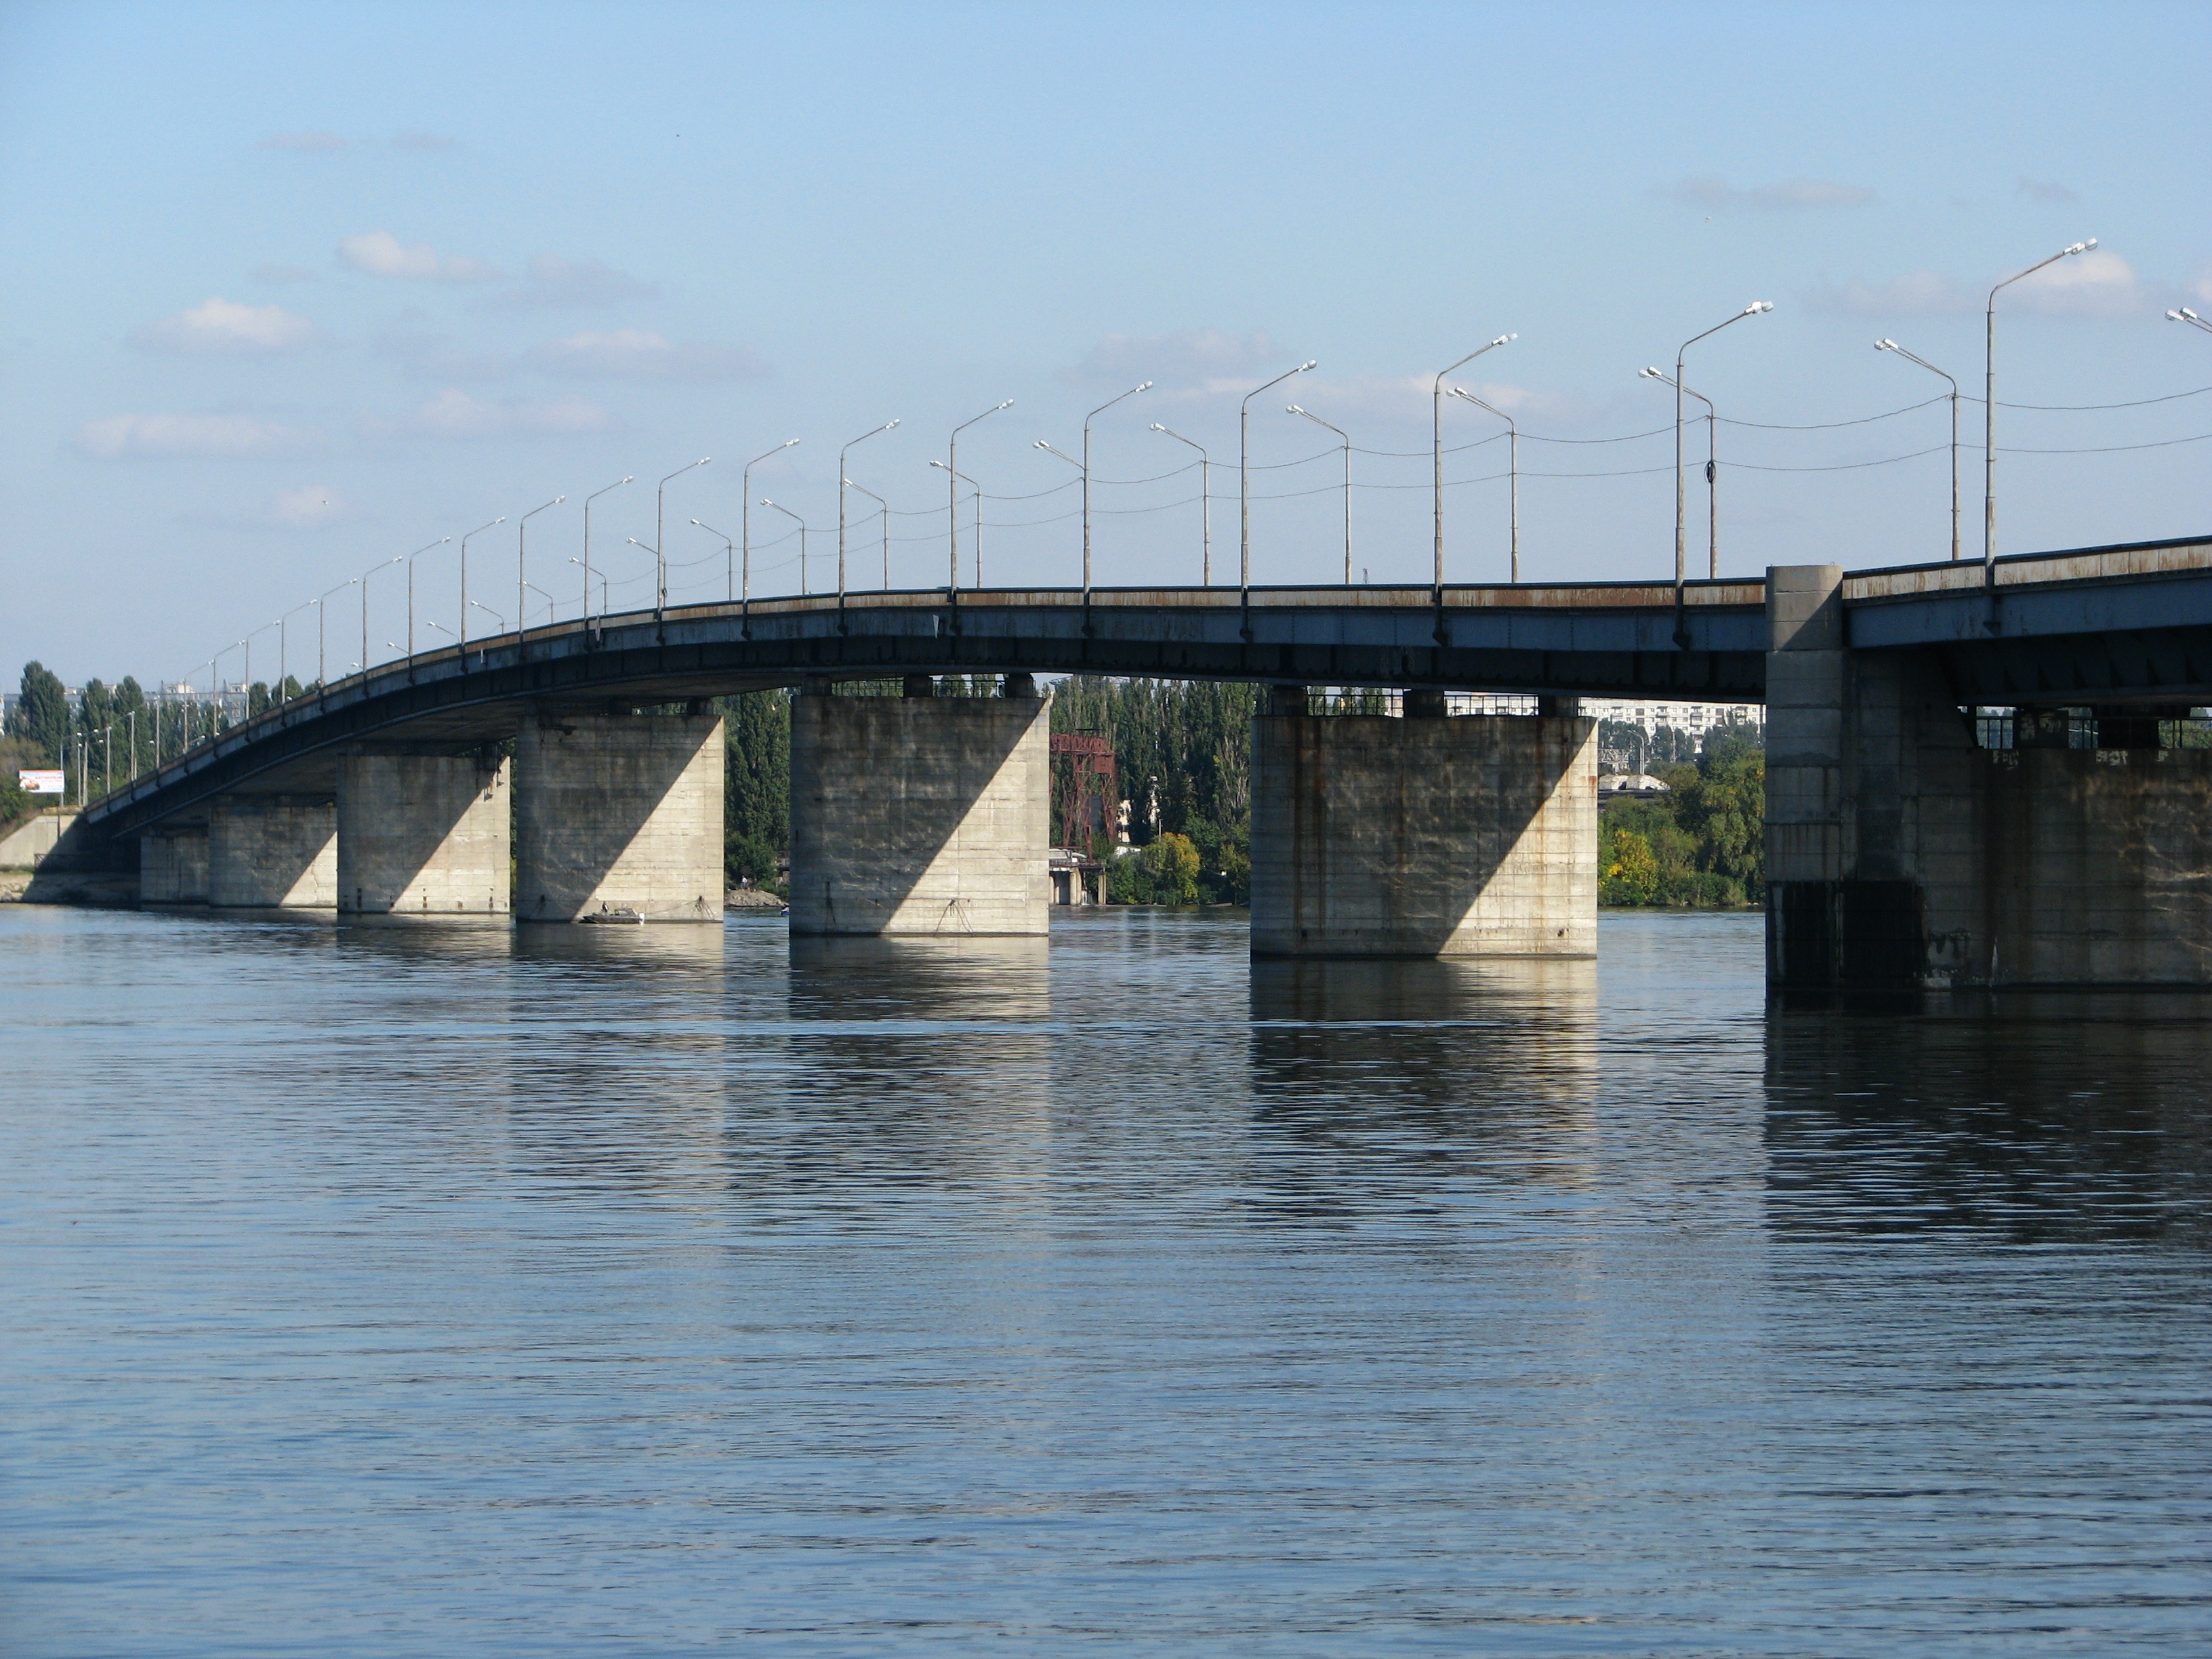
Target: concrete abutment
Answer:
[[423, 834], [1423, 836], [272, 852], [920, 814], [618, 813]]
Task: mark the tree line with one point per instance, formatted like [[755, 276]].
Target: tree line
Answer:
[[1703, 843]]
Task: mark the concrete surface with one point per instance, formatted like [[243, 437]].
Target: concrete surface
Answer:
[[615, 812], [1475, 836], [425, 834], [920, 815], [272, 852]]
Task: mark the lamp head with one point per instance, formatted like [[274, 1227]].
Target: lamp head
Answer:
[[630, 480], [941, 466], [2083, 247], [2190, 316], [1503, 338], [1292, 408], [1157, 427], [1311, 363], [1649, 374], [888, 425], [1758, 306], [700, 526], [557, 499], [1147, 387], [1009, 404], [1885, 346]]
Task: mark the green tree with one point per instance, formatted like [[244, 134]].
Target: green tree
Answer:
[[1172, 863], [1629, 873], [43, 715], [756, 797]]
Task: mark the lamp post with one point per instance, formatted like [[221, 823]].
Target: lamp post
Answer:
[[978, 500], [745, 518], [551, 605], [886, 508], [661, 542], [322, 639], [521, 580], [2185, 315], [1244, 475], [463, 636], [411, 557], [953, 486], [1512, 473], [1058, 454], [729, 559], [801, 523], [283, 656], [842, 481], [1712, 464], [1206, 504], [383, 564], [588, 588], [587, 560], [1297, 408], [1087, 420], [1437, 443], [1892, 345], [1756, 308], [493, 614], [1990, 401]]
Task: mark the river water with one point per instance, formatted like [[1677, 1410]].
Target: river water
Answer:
[[401, 1291]]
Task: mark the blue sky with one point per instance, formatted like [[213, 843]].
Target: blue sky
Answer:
[[290, 290]]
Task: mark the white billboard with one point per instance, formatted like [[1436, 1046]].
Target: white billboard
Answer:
[[39, 783]]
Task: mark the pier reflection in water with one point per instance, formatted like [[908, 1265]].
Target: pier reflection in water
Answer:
[[551, 1290]]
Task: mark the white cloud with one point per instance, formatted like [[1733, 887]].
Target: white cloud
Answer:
[[308, 143], [639, 354], [228, 329], [382, 254], [121, 437], [1916, 293], [2092, 284], [1788, 194], [557, 282], [2200, 285], [308, 507], [421, 143], [1188, 360], [454, 414]]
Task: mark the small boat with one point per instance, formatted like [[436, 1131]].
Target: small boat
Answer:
[[620, 913]]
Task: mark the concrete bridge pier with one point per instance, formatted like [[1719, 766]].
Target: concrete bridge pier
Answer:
[[423, 833], [172, 864], [1902, 853], [272, 852], [921, 814], [1425, 835], [618, 811]]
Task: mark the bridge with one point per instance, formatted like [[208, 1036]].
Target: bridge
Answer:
[[1903, 849]]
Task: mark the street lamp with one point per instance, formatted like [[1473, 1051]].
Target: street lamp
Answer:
[[1295, 408], [978, 500], [745, 518], [801, 523], [1892, 345], [322, 642], [1206, 504], [551, 605], [283, 670], [729, 559], [842, 481], [1990, 401], [493, 614], [463, 636], [586, 560], [411, 557], [952, 485], [659, 541], [521, 580], [2185, 315], [581, 565], [886, 516], [1244, 475], [1437, 442], [1756, 308], [1512, 472], [382, 564], [1712, 465], [1087, 420]]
